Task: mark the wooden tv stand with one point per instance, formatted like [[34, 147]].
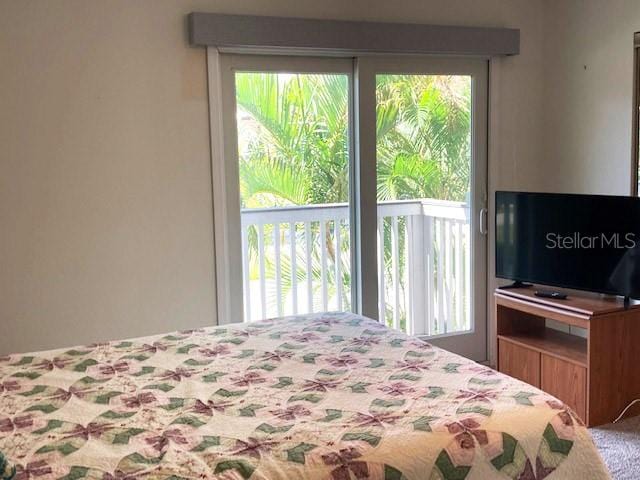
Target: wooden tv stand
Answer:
[[597, 376]]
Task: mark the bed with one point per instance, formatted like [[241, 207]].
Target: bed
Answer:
[[322, 396]]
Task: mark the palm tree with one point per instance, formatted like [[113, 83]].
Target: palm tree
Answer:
[[423, 136], [299, 153], [294, 147]]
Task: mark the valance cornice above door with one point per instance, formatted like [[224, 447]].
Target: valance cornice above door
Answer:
[[285, 35]]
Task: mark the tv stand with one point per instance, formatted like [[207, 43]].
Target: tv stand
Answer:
[[516, 284], [597, 376]]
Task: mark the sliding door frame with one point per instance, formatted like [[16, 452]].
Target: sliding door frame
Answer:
[[635, 117], [366, 202], [472, 343], [361, 72]]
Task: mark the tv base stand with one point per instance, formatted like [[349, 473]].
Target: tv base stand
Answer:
[[516, 284], [597, 375]]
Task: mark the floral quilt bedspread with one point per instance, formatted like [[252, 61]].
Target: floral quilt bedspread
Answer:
[[323, 396]]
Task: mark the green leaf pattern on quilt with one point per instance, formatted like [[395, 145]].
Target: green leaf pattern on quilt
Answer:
[[311, 396]]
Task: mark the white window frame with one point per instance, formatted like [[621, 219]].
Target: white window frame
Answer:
[[362, 140]]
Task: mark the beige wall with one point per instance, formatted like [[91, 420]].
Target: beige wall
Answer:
[[105, 194], [588, 74]]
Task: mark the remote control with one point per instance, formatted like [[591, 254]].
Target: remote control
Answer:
[[551, 294]]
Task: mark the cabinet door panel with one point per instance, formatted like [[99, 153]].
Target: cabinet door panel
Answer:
[[519, 362], [566, 381]]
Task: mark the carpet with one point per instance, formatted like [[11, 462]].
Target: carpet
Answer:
[[619, 445]]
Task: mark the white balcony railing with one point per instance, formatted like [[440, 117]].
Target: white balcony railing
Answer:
[[297, 259]]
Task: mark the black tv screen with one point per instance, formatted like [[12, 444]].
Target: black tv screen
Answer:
[[583, 242]]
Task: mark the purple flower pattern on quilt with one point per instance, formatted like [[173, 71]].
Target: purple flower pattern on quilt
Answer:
[[321, 396]]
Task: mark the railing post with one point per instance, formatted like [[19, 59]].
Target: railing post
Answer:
[[263, 277], [246, 276], [416, 266], [395, 271], [338, 262], [278, 262], [294, 267], [447, 283], [309, 265], [439, 225], [382, 306], [459, 290], [428, 269], [323, 264], [467, 275]]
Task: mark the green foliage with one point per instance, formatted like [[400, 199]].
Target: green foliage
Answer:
[[423, 136], [294, 142], [297, 152]]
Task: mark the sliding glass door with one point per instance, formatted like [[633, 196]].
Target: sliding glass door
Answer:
[[356, 185], [430, 138], [293, 155], [289, 134]]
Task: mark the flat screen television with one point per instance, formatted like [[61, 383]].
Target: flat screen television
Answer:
[[583, 242]]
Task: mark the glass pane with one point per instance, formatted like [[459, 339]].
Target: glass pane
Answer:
[[423, 186], [294, 189]]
